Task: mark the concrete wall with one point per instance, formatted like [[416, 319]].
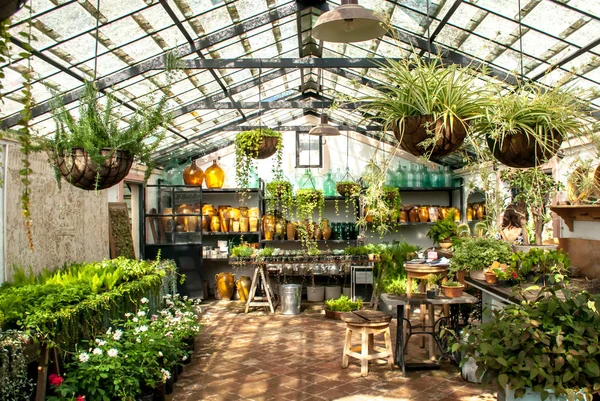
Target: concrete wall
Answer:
[[68, 224]]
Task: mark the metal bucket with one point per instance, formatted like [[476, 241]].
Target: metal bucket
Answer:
[[290, 298]]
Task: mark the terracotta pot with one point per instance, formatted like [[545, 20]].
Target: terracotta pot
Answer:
[[480, 212], [334, 315], [224, 283], [433, 214], [445, 244], [215, 224], [452, 292], [443, 212], [205, 223], [193, 175], [490, 278], [291, 231], [244, 224], [423, 214], [318, 234], [416, 129], [403, 216], [326, 230], [243, 287], [520, 150], [413, 215]]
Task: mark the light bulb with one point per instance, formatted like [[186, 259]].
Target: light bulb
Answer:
[[348, 25]]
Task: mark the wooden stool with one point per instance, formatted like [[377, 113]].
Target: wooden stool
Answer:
[[368, 323]]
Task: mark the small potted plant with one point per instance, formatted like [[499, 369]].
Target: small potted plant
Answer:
[[432, 286], [452, 289], [442, 231], [474, 255], [334, 308], [490, 277]]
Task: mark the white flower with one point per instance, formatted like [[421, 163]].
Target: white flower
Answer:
[[97, 351], [160, 353], [128, 314], [135, 320], [143, 328], [109, 330], [141, 313], [118, 334], [84, 357], [166, 375], [138, 340], [144, 300], [112, 352], [185, 298], [184, 358], [169, 334], [100, 343]]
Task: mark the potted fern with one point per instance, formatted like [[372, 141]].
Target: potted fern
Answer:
[[442, 231], [93, 152], [428, 105]]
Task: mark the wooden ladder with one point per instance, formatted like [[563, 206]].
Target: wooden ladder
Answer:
[[260, 277]]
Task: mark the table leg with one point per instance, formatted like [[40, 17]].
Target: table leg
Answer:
[[408, 283], [399, 355], [431, 339], [423, 288]]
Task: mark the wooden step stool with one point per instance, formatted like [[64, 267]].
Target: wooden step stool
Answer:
[[368, 323]]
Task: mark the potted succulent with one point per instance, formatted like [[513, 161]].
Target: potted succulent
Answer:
[[452, 289], [428, 105], [535, 348], [334, 308], [260, 143], [525, 127], [534, 190], [93, 152], [442, 231], [474, 255]]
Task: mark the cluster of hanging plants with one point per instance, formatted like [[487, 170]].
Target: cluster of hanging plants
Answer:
[[260, 143]]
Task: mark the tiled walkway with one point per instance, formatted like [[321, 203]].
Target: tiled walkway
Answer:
[[274, 357]]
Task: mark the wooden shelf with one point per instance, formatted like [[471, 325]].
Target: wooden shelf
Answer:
[[570, 213]]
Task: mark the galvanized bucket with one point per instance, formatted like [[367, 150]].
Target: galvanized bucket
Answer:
[[290, 298]]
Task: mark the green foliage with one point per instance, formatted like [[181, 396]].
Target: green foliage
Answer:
[[479, 254], [279, 194], [452, 283], [535, 189], [343, 304], [15, 385], [69, 304], [247, 144], [418, 87], [266, 252], [548, 264], [97, 128], [241, 251], [444, 229], [389, 270], [547, 343]]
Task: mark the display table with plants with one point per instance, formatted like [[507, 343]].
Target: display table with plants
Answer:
[[477, 254]]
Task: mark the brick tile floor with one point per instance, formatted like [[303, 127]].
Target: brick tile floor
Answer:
[[271, 357]]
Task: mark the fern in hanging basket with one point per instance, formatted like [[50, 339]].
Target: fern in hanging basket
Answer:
[[260, 143], [93, 152]]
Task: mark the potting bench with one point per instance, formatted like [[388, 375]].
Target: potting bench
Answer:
[[434, 330]]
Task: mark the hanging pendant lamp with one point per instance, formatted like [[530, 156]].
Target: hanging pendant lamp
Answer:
[[348, 23], [324, 128]]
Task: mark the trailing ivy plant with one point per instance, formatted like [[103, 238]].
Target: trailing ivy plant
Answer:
[[351, 192], [247, 144], [307, 202], [280, 195]]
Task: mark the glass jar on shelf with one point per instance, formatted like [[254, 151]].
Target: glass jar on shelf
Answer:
[[419, 176], [214, 176], [329, 186], [447, 177], [410, 176]]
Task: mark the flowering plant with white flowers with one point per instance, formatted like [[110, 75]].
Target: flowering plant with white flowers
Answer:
[[180, 317]]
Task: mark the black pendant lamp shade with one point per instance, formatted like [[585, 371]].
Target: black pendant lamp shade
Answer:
[[324, 128], [348, 23]]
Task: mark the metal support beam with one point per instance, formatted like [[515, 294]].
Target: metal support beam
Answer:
[[443, 22], [570, 57], [283, 63], [158, 62], [303, 128], [275, 104]]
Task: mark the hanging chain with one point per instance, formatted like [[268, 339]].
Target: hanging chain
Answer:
[[521, 40], [97, 39], [260, 96], [428, 27]]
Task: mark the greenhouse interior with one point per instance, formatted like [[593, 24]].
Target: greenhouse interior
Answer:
[[291, 200]]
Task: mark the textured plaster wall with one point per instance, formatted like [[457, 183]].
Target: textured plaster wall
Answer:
[[70, 225]]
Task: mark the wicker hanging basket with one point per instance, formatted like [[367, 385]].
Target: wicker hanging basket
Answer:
[[414, 130], [79, 170], [267, 148], [521, 150]]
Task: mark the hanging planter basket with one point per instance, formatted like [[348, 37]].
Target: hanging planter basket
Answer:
[[416, 129], [347, 189], [79, 170], [267, 148], [521, 150]]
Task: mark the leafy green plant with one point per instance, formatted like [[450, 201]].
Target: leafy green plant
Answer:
[[445, 229], [266, 252], [479, 254], [548, 343], [418, 87], [343, 304], [241, 251], [279, 194], [97, 128], [247, 144], [551, 266], [307, 202], [15, 384], [452, 283], [433, 280], [581, 181], [350, 191], [535, 189], [390, 276]]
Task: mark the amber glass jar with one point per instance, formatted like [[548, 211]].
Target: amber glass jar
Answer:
[[424, 214], [215, 224], [193, 175], [214, 176]]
